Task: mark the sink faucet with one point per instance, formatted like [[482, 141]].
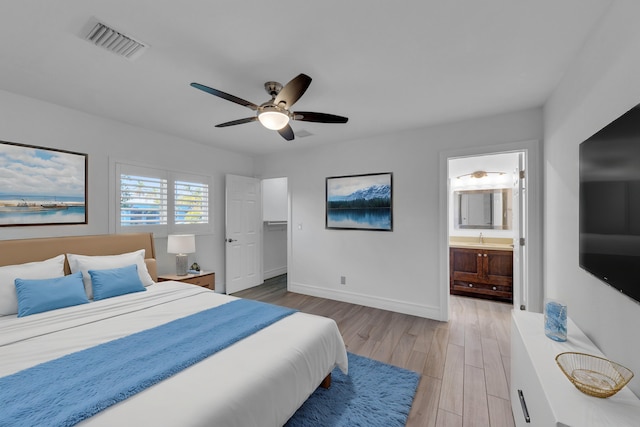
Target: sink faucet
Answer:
[[481, 238]]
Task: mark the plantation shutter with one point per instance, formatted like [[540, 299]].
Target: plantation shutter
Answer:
[[161, 202], [142, 198], [191, 202]]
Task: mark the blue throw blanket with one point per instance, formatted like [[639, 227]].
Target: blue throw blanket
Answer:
[[65, 391]]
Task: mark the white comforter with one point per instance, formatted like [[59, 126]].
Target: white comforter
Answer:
[[259, 381]]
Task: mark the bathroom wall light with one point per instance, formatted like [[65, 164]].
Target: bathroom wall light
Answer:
[[480, 174]]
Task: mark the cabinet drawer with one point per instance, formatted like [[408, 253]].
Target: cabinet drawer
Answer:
[[497, 291], [204, 281]]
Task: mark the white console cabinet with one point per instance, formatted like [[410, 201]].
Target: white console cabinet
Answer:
[[549, 397]]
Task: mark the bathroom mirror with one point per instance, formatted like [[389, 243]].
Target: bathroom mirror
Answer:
[[482, 209]]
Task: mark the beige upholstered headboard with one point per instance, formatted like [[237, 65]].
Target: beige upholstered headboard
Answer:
[[27, 250]]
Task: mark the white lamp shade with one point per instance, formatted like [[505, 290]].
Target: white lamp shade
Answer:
[[181, 244], [273, 120]]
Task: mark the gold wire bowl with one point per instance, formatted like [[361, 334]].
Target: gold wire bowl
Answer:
[[594, 375]]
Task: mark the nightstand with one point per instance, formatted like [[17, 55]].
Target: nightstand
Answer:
[[206, 279]]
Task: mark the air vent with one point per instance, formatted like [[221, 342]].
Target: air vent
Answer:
[[114, 41], [303, 133]]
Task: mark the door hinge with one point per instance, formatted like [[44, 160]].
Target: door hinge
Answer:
[[522, 241], [522, 174]]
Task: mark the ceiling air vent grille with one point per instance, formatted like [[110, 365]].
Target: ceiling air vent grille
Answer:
[[114, 41], [303, 133]]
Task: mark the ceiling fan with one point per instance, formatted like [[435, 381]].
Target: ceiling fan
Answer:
[[276, 113]]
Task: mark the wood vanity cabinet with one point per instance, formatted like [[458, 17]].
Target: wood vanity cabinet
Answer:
[[483, 273]]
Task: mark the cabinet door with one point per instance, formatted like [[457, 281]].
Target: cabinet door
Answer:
[[524, 379], [498, 267], [466, 264]]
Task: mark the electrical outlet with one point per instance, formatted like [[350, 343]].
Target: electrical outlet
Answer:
[[343, 280]]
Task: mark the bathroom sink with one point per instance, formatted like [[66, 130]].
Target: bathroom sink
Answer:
[[479, 245]]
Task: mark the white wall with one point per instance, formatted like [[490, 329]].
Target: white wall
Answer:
[[29, 121], [602, 84], [396, 270]]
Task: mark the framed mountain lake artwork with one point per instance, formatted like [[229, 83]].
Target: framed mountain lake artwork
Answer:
[[41, 186], [360, 202]]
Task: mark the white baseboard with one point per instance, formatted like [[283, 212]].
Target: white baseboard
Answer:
[[430, 312], [274, 272]]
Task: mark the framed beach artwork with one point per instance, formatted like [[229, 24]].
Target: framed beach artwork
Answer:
[[41, 186], [360, 202]]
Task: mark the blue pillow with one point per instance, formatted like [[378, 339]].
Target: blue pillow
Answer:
[[40, 295], [115, 281]]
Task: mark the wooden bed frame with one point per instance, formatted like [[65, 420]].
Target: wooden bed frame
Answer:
[[28, 250]]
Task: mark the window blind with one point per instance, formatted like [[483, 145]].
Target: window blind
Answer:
[[143, 200], [191, 202]]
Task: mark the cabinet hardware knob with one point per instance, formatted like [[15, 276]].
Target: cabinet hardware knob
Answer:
[[479, 254], [485, 255], [471, 285], [494, 288]]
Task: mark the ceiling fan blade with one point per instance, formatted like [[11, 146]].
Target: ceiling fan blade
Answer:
[[225, 95], [293, 90], [237, 122], [287, 133], [309, 116]]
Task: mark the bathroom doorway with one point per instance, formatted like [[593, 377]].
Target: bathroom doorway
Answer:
[[491, 200], [484, 225]]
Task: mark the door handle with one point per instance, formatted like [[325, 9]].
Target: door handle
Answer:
[[231, 240]]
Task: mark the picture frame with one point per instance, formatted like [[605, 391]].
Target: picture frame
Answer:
[[359, 202], [42, 186]]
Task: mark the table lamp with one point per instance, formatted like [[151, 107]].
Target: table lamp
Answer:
[[181, 245]]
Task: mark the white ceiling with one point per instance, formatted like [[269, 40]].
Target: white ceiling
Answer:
[[386, 65]]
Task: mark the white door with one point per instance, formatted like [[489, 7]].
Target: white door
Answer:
[[243, 240], [520, 283]]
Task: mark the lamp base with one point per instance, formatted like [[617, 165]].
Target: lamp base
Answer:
[[181, 265]]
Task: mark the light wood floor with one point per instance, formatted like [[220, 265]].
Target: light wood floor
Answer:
[[464, 363]]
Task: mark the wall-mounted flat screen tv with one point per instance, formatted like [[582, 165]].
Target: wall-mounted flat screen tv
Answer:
[[610, 204]]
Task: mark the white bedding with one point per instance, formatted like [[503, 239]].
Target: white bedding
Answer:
[[259, 381]]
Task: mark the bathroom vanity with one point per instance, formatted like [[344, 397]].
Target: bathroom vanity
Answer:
[[481, 269]]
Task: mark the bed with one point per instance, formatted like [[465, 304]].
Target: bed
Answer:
[[260, 380]]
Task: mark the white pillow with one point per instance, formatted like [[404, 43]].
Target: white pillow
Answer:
[[47, 269], [85, 263]]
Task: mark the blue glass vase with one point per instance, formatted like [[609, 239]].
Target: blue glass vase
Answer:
[[555, 320]]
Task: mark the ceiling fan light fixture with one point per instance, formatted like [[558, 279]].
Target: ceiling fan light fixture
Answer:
[[275, 113], [273, 118]]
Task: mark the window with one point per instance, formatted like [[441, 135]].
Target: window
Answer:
[[191, 202], [143, 200], [160, 201]]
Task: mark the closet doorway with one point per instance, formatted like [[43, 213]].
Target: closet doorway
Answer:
[[275, 208]]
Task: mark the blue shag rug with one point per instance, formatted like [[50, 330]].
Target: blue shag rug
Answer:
[[373, 394]]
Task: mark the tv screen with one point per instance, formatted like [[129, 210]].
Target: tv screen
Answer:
[[610, 204]]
